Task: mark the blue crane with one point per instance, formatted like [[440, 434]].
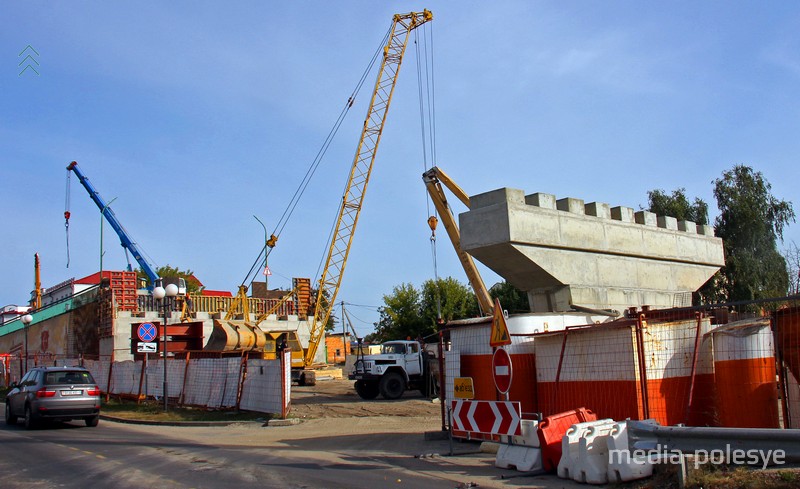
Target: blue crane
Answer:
[[125, 240]]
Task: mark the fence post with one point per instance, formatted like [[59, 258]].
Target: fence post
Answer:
[[182, 397], [699, 316], [558, 372], [141, 378], [240, 386], [110, 373], [286, 363], [641, 323], [442, 379]]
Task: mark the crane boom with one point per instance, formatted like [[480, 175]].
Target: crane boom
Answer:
[[350, 208], [434, 179], [108, 213]]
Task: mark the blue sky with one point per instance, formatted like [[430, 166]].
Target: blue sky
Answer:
[[196, 115]]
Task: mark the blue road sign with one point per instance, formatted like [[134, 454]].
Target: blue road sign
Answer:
[[147, 332]]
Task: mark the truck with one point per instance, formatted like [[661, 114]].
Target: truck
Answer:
[[401, 365]]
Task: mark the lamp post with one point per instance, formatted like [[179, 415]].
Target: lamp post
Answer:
[[26, 321], [165, 295]]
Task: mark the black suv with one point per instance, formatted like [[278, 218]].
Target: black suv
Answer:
[[54, 393]]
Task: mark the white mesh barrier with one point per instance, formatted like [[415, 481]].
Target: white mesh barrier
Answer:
[[262, 390], [125, 377], [212, 382]]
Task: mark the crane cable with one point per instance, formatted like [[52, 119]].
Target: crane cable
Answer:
[[425, 82], [287, 213], [67, 214]]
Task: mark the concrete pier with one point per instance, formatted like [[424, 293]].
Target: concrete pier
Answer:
[[563, 252]]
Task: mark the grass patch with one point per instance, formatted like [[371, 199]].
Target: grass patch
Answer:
[[154, 411], [724, 477], [710, 476]]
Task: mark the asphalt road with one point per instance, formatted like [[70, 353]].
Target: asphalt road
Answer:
[[124, 456]]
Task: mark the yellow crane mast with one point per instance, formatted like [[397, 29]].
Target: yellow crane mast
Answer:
[[352, 199]]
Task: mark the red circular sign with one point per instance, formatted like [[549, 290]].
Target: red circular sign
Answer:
[[501, 370]]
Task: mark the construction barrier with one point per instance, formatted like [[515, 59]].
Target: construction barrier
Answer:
[[202, 379], [625, 465], [584, 452], [690, 366], [746, 380], [552, 430]]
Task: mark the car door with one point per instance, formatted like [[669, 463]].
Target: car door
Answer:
[[412, 360], [17, 396]]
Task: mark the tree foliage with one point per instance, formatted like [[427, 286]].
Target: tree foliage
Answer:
[[511, 298], [192, 285], [412, 312], [792, 257], [750, 223], [456, 301], [678, 206]]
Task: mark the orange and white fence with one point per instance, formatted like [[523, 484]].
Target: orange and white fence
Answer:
[[689, 366]]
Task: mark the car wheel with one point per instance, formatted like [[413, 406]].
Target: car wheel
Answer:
[[29, 421], [367, 390], [10, 418], [92, 422], [392, 386]]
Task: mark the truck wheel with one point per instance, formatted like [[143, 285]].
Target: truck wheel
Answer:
[[392, 386], [367, 390]]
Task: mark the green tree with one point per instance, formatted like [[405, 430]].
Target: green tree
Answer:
[[400, 317], [454, 299], [750, 223], [192, 285], [678, 206], [409, 312], [511, 298], [792, 257]]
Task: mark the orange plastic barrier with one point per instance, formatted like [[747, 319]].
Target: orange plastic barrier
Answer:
[[553, 428]]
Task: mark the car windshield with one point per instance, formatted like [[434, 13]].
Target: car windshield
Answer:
[[68, 377], [394, 348]]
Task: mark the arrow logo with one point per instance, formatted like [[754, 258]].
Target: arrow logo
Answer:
[[28, 60]]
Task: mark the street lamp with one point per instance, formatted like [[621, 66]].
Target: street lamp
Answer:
[[26, 321], [164, 295]]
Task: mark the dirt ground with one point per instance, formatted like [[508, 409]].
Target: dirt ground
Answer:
[[336, 398]]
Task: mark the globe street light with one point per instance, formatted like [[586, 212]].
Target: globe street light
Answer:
[[165, 295], [26, 321]]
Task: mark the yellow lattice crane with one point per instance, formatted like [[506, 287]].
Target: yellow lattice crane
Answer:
[[350, 209]]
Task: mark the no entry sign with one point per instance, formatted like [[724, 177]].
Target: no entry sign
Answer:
[[501, 370]]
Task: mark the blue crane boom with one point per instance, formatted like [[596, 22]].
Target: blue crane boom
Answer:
[[108, 213]]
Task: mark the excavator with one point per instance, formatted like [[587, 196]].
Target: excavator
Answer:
[[351, 203]]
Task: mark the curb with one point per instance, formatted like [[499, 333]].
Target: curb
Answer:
[[115, 419]]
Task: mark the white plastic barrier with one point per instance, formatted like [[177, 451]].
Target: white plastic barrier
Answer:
[[524, 455], [592, 464], [622, 465], [569, 465], [521, 458]]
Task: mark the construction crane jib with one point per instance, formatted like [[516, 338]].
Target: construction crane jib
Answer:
[[105, 209], [434, 179], [350, 209]]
